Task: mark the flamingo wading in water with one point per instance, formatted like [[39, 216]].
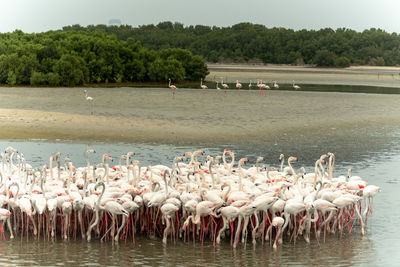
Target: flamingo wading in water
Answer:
[[203, 86], [238, 86], [225, 86]]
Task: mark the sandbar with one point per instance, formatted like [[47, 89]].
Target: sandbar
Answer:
[[152, 115]]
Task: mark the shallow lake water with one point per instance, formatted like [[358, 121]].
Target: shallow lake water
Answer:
[[372, 153], [377, 161]]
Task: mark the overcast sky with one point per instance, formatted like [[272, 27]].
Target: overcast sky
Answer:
[[44, 15]]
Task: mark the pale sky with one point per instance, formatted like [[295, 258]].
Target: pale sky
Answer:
[[44, 15]]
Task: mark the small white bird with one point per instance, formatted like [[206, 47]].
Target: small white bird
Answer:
[[202, 85], [295, 86], [90, 100]]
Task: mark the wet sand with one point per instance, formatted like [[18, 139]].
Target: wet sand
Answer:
[[152, 115]]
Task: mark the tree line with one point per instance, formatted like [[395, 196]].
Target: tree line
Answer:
[[253, 43], [69, 58]]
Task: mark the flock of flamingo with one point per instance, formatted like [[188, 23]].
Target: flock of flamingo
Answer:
[[261, 86], [190, 200]]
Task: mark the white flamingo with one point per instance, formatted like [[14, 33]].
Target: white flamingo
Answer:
[[203, 86], [225, 86], [295, 86], [238, 86], [90, 100]]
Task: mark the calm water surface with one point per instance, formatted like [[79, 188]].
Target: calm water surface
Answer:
[[376, 160]]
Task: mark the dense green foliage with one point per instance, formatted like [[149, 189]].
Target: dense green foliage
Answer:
[[246, 42], [105, 54], [67, 58]]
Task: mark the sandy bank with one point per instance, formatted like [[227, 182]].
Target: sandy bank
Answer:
[[151, 115]]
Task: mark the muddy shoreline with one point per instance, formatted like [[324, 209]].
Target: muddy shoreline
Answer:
[[193, 117]]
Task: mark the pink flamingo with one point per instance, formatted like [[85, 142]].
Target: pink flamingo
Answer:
[[4, 215], [203, 86], [173, 87], [277, 222], [238, 86], [218, 91], [228, 214], [225, 86]]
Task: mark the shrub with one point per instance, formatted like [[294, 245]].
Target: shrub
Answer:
[[342, 62]]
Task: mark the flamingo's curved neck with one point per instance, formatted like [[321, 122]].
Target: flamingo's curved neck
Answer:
[[291, 168], [178, 167], [151, 174], [58, 165], [51, 168], [201, 174], [240, 182], [138, 173], [240, 175], [192, 160], [69, 174], [258, 170], [349, 173], [120, 161], [85, 183], [26, 180], [94, 173], [211, 173], [33, 183], [331, 164], [17, 185], [322, 168], [10, 167], [316, 172], [224, 160], [106, 172], [319, 189], [97, 210], [102, 193], [225, 196], [133, 174], [128, 155], [194, 219], [232, 162], [165, 182], [42, 180], [5, 186]]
